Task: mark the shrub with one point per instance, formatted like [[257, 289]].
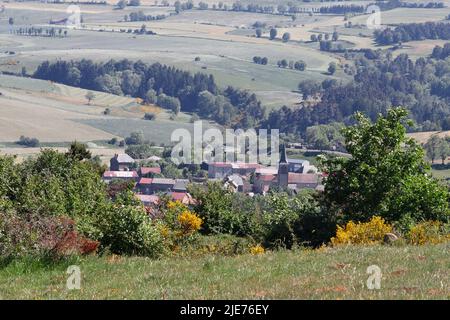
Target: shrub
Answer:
[[149, 116], [41, 236], [189, 222], [256, 250], [28, 142], [432, 232], [127, 229], [362, 232]]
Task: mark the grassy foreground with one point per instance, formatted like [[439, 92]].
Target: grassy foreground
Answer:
[[407, 273]]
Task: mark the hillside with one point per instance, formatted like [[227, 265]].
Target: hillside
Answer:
[[407, 273], [58, 113]]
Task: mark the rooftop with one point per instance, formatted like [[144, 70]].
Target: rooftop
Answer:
[[147, 170], [120, 174], [146, 181], [297, 178], [123, 158]]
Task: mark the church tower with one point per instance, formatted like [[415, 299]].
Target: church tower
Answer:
[[283, 169]]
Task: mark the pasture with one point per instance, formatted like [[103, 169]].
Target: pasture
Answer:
[[57, 113]]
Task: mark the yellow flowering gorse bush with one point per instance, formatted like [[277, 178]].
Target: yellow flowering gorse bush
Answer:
[[428, 232], [189, 222], [179, 225], [256, 250], [371, 232]]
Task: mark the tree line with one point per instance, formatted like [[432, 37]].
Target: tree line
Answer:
[[141, 16], [413, 31], [342, 9], [230, 106]]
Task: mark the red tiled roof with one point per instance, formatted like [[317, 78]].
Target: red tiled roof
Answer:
[[220, 164], [146, 181], [147, 170], [297, 178], [266, 177]]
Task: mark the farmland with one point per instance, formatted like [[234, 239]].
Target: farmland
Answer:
[[217, 42], [57, 113]]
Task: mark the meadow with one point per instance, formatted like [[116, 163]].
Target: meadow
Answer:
[[55, 113], [409, 272]]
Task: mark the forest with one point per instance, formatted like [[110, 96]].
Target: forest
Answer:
[[197, 93], [379, 83], [413, 31]]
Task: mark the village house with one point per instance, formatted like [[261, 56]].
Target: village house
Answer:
[[220, 170], [121, 162], [291, 174]]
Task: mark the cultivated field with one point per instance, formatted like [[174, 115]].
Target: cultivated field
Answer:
[[221, 43]]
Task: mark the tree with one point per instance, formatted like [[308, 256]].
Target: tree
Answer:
[[432, 147], [332, 67], [135, 138], [28, 142], [335, 36], [151, 96], [122, 4], [78, 151], [273, 33], [386, 175], [89, 96], [258, 33], [286, 37], [444, 150], [300, 65]]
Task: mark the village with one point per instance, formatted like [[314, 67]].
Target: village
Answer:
[[248, 178]]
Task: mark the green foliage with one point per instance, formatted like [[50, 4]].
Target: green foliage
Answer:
[[274, 220], [28, 142], [78, 151], [273, 33], [135, 138], [332, 67], [128, 229], [214, 206], [437, 147], [9, 182], [386, 174], [141, 151], [325, 136]]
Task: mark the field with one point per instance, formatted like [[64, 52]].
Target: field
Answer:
[[407, 273], [221, 43], [55, 113]]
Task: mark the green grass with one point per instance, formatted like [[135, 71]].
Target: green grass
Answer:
[[407, 273]]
